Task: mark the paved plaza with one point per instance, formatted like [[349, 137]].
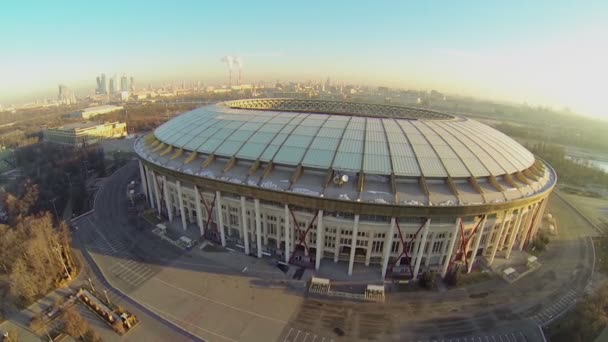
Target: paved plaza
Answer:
[[227, 296]]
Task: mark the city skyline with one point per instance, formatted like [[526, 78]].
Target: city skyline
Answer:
[[538, 53]]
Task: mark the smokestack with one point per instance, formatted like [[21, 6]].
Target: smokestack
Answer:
[[239, 62], [229, 60]]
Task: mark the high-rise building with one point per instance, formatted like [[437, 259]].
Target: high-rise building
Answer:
[[104, 84], [113, 85], [132, 85], [98, 88], [124, 83], [65, 95]]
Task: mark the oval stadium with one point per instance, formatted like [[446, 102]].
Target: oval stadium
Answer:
[[400, 190]]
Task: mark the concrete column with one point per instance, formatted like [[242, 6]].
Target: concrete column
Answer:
[[220, 217], [476, 243], [199, 210], [425, 233], [427, 261], [151, 184], [368, 250], [156, 191], [498, 237], [511, 242], [526, 227], [353, 245], [287, 231], [152, 189], [539, 218], [144, 182], [320, 240], [388, 244], [167, 198], [244, 229], [258, 227], [266, 233], [503, 236], [337, 246], [180, 201], [450, 249]]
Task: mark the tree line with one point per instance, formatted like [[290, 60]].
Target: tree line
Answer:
[[569, 171], [60, 173]]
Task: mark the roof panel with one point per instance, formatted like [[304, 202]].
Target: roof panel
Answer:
[[377, 164], [261, 137], [251, 151], [289, 155], [318, 158], [210, 145], [269, 152], [378, 148], [347, 161], [352, 146], [323, 143], [401, 149], [295, 140], [405, 166], [457, 147], [228, 148], [330, 132], [431, 167]]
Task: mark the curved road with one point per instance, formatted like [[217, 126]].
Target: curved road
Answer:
[[489, 310]]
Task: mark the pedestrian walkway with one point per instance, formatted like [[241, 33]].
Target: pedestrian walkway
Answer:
[[507, 337], [98, 240], [132, 272], [297, 335], [550, 313]]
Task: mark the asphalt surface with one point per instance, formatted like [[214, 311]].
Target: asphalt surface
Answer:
[[488, 311]]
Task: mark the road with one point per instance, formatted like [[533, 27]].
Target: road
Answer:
[[208, 298]]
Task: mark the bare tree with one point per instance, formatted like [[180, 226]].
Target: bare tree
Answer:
[[22, 284], [74, 324], [40, 325]]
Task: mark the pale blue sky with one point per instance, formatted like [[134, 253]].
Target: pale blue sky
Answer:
[[546, 52]]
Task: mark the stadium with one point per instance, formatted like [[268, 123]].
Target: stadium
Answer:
[[310, 182]]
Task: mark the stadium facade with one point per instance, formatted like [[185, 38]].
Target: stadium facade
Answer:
[[313, 182]]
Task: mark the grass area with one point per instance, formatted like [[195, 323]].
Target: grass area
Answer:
[[151, 216], [601, 253], [596, 209], [466, 279]]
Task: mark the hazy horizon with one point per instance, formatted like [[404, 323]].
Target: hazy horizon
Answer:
[[548, 54]]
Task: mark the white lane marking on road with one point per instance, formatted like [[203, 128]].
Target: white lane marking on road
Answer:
[[244, 269], [305, 337], [102, 236], [296, 338], [145, 274], [314, 339], [177, 320], [221, 303], [287, 336]]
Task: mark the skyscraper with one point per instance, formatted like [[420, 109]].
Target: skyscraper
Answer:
[[65, 95], [98, 88], [113, 85], [124, 83], [132, 84], [104, 85]]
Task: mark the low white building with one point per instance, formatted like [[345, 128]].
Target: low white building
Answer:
[[90, 112]]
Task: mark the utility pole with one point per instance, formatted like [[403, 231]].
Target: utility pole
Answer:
[[91, 284], [55, 208], [107, 298], [65, 267]]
